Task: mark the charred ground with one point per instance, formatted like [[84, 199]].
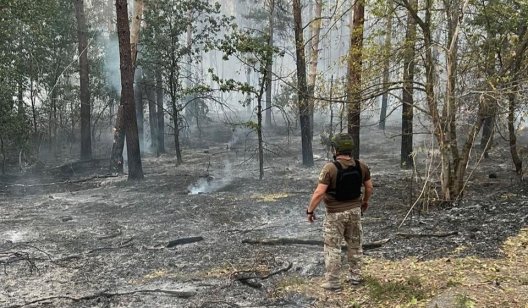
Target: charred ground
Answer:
[[74, 236]]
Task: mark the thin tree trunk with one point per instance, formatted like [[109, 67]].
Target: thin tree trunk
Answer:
[[248, 95], [173, 82], [20, 98], [135, 29], [488, 108], [355, 61], [269, 65], [386, 62], [116, 160], [86, 136], [153, 123], [135, 169], [304, 110], [160, 113], [512, 106], [488, 129], [406, 160], [138, 102], [175, 122], [331, 132], [259, 125], [315, 30], [32, 98]]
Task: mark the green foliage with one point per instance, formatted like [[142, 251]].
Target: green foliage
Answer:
[[464, 301], [14, 132], [409, 290], [37, 45], [251, 125]]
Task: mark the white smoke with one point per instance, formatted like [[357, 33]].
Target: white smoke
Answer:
[[15, 236], [111, 61], [209, 184]]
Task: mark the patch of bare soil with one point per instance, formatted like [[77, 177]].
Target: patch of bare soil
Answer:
[[75, 236]]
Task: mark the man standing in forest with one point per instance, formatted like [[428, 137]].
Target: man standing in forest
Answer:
[[340, 185]]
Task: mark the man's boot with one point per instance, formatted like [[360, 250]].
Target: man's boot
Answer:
[[331, 285], [354, 277]]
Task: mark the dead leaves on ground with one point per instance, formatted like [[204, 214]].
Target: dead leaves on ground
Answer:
[[467, 282]]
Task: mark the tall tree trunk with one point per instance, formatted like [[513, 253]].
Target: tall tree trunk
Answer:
[[512, 106], [386, 62], [116, 160], [138, 75], [488, 129], [176, 124], [32, 99], [120, 129], [160, 114], [269, 66], [248, 95], [355, 61], [20, 97], [153, 123], [173, 89], [315, 30], [489, 107], [138, 102], [135, 169], [259, 121], [304, 110], [406, 161], [86, 136], [135, 29]]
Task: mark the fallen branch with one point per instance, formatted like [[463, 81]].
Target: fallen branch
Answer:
[[295, 241], [13, 255], [60, 183], [105, 237], [250, 278], [440, 234], [185, 240], [179, 294], [122, 245], [10, 257]]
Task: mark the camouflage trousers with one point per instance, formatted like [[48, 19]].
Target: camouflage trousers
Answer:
[[337, 226]]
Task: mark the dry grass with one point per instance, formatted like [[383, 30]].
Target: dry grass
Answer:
[[455, 282]]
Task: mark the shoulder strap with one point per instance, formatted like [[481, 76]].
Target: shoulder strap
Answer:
[[358, 164], [338, 165]]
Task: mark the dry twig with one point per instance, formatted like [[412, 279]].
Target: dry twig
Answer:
[[179, 294]]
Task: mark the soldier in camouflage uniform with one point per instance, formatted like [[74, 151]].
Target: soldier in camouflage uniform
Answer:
[[343, 218]]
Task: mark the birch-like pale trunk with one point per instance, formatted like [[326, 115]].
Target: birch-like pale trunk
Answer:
[[315, 32]]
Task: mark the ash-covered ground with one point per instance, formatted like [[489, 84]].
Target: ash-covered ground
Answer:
[[71, 236]]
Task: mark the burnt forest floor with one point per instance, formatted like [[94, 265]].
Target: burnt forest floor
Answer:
[[72, 236]]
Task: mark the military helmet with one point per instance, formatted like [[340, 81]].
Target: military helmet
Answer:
[[342, 143]]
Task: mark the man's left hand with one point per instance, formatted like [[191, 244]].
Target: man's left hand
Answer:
[[364, 207], [311, 217]]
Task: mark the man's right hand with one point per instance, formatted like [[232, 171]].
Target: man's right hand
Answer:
[[311, 217]]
